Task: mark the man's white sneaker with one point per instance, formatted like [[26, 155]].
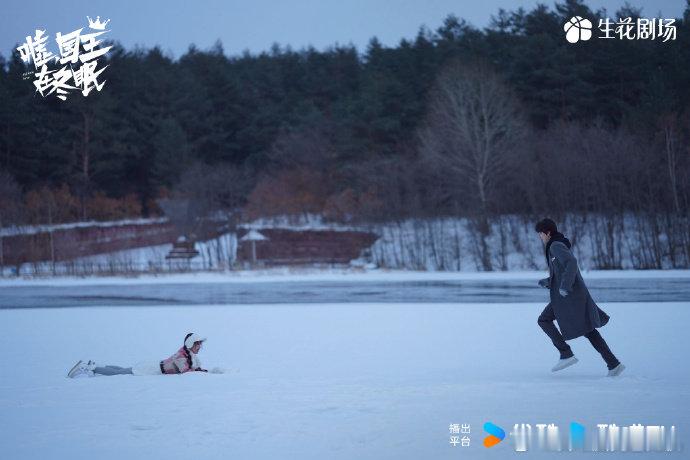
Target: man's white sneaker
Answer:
[[616, 371], [563, 363], [74, 369], [81, 370]]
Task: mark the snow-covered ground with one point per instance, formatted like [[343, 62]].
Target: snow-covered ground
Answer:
[[328, 381], [443, 244], [33, 229]]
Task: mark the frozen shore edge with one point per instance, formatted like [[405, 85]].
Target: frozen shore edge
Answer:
[[331, 275]]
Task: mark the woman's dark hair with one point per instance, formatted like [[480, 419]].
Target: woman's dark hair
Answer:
[[546, 225], [184, 345]]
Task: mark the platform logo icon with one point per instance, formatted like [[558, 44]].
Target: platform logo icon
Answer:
[[496, 434], [578, 28]]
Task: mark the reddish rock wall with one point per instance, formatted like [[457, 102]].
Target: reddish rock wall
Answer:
[[289, 247]]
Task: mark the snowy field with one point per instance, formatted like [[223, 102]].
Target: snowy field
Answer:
[[328, 381]]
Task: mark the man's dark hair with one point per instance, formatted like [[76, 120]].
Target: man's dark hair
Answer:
[[546, 225]]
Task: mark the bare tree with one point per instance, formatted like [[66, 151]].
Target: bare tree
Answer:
[[305, 147], [206, 192], [11, 207], [668, 126], [472, 131]]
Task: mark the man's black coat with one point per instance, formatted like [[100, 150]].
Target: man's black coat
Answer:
[[576, 313]]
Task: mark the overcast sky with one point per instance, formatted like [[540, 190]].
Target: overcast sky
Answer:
[[255, 24]]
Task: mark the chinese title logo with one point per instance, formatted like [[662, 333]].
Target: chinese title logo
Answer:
[[76, 64]]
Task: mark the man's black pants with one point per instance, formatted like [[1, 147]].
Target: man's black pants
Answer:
[[546, 320]]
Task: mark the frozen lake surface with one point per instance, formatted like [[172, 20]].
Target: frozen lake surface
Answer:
[[360, 378], [242, 292]]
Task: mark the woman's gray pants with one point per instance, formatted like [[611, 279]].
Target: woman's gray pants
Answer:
[[112, 370]]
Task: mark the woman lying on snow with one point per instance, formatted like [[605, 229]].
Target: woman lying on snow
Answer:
[[184, 360]]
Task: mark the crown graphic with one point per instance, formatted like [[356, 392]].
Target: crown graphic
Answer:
[[97, 24]]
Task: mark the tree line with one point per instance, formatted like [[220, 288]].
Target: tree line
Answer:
[[457, 121]]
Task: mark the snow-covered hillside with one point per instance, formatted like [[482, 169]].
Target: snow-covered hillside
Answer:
[[450, 244]]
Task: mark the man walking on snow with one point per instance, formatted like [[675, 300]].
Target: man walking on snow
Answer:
[[570, 305]]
